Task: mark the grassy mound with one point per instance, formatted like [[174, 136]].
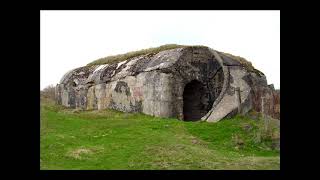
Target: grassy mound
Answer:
[[247, 64], [122, 57], [110, 139], [155, 50]]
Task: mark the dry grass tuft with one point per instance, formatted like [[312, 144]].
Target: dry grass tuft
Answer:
[[247, 64], [82, 153]]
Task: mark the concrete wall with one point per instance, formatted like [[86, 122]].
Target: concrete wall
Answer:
[[148, 92]]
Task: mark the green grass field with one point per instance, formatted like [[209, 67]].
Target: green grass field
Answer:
[[109, 140]]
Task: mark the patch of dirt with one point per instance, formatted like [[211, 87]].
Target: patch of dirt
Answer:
[[82, 153], [195, 140], [78, 153], [247, 127]]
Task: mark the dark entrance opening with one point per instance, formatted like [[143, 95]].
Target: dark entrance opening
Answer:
[[195, 101]]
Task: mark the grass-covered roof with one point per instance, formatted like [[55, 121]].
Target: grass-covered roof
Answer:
[[155, 50], [128, 55]]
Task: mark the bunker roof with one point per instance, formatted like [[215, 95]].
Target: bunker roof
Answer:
[[154, 50]]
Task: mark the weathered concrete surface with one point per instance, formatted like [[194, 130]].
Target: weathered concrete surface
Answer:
[[160, 85]]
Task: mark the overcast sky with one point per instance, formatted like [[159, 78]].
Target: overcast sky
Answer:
[[70, 39]]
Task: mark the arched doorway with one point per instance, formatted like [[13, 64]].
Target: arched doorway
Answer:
[[195, 102]]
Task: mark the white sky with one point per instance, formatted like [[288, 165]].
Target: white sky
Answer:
[[70, 39]]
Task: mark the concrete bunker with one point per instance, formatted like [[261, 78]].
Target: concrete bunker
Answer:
[[188, 83]]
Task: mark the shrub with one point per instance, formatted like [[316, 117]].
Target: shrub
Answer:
[[48, 92]]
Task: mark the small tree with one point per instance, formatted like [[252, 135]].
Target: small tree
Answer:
[[48, 92]]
